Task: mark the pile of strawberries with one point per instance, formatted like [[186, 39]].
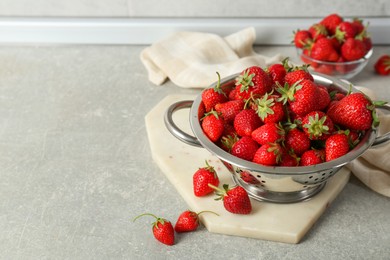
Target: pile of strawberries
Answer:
[[279, 116], [333, 39]]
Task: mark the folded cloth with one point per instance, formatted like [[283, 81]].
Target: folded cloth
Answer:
[[373, 167], [191, 59]]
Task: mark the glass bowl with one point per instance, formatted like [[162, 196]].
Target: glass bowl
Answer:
[[341, 70]]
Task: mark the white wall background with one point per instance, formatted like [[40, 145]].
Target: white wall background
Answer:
[[145, 21]]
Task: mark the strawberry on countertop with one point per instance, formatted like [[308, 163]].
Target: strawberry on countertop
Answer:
[[162, 229], [235, 200]]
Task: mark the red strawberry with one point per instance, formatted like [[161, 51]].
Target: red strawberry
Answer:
[[297, 74], [162, 229], [297, 141], [246, 121], [331, 22], [289, 159], [189, 221], [318, 31], [323, 98], [269, 154], [353, 49], [253, 81], [312, 157], [235, 200], [382, 65], [302, 96], [277, 73], [323, 49], [229, 109], [245, 148], [213, 96], [336, 146], [268, 133], [317, 125], [269, 109], [302, 38], [213, 125], [355, 111], [202, 177], [345, 30], [358, 24]]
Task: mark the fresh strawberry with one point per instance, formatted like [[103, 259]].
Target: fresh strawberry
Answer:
[[317, 125], [253, 81], [353, 49], [312, 157], [277, 72], [289, 159], [336, 146], [213, 96], [323, 98], [245, 148], [318, 31], [235, 200], [331, 22], [355, 111], [269, 154], [382, 65], [246, 121], [302, 38], [229, 109], [162, 229], [213, 125], [345, 30], [202, 177], [188, 221], [323, 49], [297, 141], [269, 109], [302, 96], [297, 74], [358, 24], [268, 133]]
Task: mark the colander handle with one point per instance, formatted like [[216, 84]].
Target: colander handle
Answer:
[[174, 129], [386, 137]]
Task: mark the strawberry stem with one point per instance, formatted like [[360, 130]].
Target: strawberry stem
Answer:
[[145, 214], [203, 211]]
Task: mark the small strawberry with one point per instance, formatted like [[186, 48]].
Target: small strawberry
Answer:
[[297, 141], [355, 111], [358, 24], [277, 72], [317, 125], [253, 81], [229, 109], [297, 74], [302, 38], [323, 98], [323, 49], [213, 125], [353, 49], [318, 31], [336, 146], [331, 22], [162, 229], [345, 30], [268, 133], [245, 148], [301, 96], [213, 96], [202, 177], [289, 159], [382, 65], [246, 121], [188, 221], [269, 109], [269, 154], [312, 157], [235, 200]]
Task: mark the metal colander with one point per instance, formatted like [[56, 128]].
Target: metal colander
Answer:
[[273, 184]]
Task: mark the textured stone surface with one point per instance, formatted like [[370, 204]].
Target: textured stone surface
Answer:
[[76, 167]]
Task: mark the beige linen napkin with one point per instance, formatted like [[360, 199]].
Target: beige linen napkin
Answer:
[[191, 59]]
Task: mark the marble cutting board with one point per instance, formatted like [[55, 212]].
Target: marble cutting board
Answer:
[[178, 161]]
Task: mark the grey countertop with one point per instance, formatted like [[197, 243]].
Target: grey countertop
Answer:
[[76, 167]]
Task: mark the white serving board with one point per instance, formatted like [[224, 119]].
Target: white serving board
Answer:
[[286, 223]]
